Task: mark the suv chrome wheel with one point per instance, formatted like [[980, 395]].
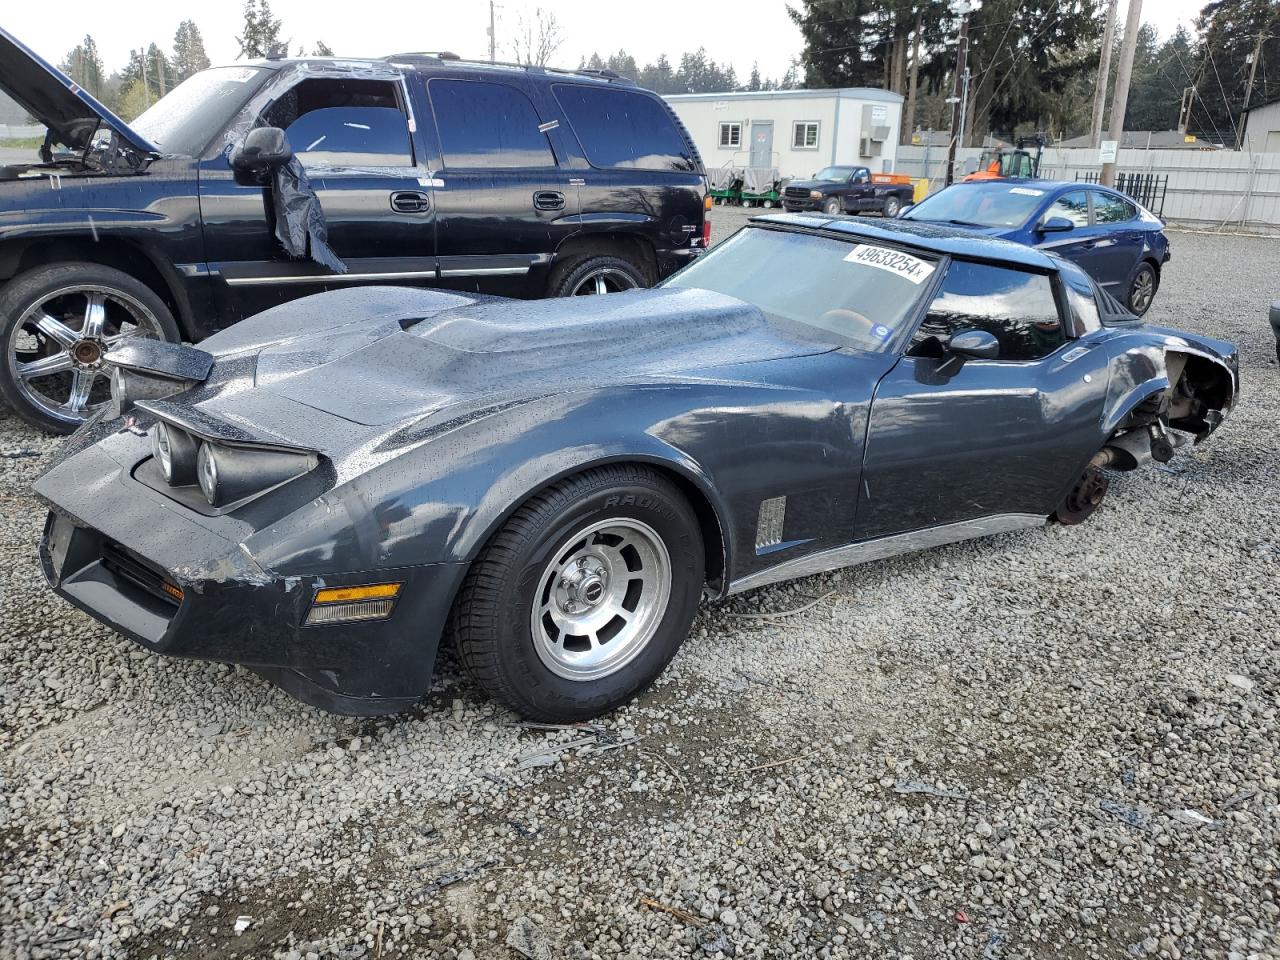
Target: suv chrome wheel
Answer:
[[600, 599], [603, 280], [56, 350]]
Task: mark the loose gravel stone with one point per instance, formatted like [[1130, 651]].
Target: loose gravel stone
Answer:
[[945, 736]]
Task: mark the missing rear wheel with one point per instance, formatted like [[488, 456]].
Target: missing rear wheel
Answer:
[[1084, 498]]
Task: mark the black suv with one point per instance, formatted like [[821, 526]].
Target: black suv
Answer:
[[257, 183]]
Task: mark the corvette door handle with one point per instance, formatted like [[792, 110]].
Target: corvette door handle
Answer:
[[548, 200], [410, 201]]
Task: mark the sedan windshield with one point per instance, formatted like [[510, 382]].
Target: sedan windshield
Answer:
[[863, 292], [980, 205], [834, 174], [187, 119]]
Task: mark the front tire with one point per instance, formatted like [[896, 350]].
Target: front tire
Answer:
[[832, 207], [1142, 288], [57, 323], [583, 597]]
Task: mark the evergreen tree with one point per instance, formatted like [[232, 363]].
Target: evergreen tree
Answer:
[[754, 83], [158, 73], [84, 66], [1155, 95], [261, 34], [189, 56]]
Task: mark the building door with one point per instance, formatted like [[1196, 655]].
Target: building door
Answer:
[[762, 143]]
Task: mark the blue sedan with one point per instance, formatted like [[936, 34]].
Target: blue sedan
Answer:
[[1117, 242]]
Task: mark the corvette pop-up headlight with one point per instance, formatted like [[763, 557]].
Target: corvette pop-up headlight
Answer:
[[227, 474], [175, 451], [130, 386]]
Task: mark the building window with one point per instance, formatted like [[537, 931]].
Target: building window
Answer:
[[730, 135], [804, 135]]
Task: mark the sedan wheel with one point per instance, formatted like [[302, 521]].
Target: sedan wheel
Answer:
[[57, 337], [1143, 289], [583, 597]]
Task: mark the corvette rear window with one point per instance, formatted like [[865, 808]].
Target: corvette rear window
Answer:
[[863, 292]]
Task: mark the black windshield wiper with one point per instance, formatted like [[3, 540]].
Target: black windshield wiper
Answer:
[[966, 223]]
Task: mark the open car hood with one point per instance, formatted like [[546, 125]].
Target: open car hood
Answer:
[[56, 100]]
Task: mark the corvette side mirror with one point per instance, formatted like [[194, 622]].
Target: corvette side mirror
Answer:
[[263, 150], [902, 211], [967, 345], [1055, 225]]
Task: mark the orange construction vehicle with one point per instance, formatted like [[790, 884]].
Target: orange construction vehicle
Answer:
[[999, 162]]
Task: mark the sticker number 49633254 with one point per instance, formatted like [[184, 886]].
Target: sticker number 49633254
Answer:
[[895, 261]]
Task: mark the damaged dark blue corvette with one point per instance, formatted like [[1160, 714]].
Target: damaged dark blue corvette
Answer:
[[324, 491]]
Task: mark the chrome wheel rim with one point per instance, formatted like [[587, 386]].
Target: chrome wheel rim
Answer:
[[831, 208], [57, 349], [603, 280], [891, 208], [600, 599], [1144, 291]]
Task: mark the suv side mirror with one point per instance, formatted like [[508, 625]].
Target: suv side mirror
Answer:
[[967, 345], [1055, 225], [263, 150]]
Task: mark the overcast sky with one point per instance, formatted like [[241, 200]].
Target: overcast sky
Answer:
[[740, 31]]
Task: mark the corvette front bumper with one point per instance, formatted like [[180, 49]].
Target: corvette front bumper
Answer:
[[360, 669]]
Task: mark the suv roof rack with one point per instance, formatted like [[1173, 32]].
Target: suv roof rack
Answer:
[[607, 75]]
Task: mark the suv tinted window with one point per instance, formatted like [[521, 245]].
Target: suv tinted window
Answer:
[[1112, 209], [485, 124], [1071, 206], [618, 128], [351, 136], [1018, 308]]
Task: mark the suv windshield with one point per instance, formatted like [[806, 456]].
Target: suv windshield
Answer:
[[980, 205], [187, 119], [865, 293], [834, 174]]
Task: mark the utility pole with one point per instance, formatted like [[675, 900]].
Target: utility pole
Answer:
[[909, 125], [1248, 91], [1125, 71], [958, 97], [146, 90], [1104, 72], [493, 37]]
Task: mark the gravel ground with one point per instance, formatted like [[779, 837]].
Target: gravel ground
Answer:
[[1061, 743]]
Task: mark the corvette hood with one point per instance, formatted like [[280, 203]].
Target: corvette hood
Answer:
[[518, 349], [337, 372], [56, 100]]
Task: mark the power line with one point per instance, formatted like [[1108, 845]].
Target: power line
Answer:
[[1225, 102]]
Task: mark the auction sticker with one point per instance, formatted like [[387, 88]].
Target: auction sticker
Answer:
[[903, 264]]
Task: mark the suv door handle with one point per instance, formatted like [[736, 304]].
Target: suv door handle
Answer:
[[410, 201], [548, 200]]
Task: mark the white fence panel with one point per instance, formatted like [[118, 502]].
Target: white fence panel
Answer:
[[1207, 188]]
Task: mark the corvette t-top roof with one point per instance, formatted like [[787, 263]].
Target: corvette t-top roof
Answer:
[[953, 241]]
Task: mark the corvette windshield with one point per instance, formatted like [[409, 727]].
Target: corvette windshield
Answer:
[[864, 292], [980, 205]]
